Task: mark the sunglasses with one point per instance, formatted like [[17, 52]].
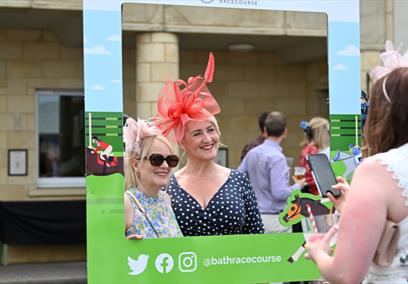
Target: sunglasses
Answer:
[[157, 160]]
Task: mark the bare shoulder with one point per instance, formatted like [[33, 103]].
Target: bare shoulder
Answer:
[[179, 173], [369, 165], [127, 200], [374, 178], [372, 173], [225, 172], [129, 212]]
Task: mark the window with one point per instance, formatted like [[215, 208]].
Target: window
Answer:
[[60, 126]]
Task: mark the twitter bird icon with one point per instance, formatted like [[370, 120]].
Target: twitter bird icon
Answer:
[[138, 265]]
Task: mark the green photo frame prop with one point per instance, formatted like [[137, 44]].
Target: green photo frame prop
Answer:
[[215, 259]]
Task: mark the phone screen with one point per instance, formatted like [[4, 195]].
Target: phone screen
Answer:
[[323, 174]]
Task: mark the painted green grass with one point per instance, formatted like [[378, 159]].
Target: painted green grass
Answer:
[[108, 250]]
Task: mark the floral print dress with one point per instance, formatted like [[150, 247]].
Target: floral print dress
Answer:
[[163, 223]]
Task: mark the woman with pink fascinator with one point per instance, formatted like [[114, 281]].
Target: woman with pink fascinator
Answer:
[[372, 241], [208, 199], [149, 160]]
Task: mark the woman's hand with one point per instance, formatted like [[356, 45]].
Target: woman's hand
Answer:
[[135, 237], [319, 244], [344, 187]]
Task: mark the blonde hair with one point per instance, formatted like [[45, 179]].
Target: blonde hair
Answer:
[[318, 126], [132, 179], [214, 122]]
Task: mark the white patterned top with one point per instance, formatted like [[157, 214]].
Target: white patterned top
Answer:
[[396, 161]]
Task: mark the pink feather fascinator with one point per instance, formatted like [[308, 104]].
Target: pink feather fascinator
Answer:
[[391, 59], [135, 131]]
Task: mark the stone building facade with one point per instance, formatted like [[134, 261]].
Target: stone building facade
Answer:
[[41, 51]]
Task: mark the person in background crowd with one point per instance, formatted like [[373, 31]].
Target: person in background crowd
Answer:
[[317, 140], [268, 172], [258, 140]]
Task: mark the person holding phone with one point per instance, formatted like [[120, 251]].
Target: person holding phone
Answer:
[[208, 199], [149, 160], [323, 174], [379, 189]]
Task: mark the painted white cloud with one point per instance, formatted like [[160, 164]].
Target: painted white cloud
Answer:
[[98, 87], [114, 38], [350, 50], [340, 67], [97, 50], [116, 81]]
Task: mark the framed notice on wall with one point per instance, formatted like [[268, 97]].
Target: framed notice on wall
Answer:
[[17, 162]]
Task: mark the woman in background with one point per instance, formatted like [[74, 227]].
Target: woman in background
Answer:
[[317, 140]]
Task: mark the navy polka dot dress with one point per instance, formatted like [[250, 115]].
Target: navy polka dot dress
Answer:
[[232, 210]]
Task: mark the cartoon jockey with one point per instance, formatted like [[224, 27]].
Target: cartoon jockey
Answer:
[[103, 148]]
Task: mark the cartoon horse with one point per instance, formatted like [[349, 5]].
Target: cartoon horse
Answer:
[[298, 208], [96, 166]]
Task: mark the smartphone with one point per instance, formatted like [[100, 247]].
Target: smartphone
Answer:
[[323, 175]]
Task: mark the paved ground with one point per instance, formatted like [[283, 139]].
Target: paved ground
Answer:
[[44, 273]]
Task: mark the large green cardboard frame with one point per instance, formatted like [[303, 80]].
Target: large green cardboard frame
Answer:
[[216, 259]]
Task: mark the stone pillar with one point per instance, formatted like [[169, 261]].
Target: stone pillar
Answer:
[[157, 60]]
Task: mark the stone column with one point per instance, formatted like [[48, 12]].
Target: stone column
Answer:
[[157, 60]]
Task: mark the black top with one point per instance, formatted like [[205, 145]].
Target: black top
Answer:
[[232, 210]]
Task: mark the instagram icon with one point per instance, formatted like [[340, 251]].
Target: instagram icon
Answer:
[[187, 261]]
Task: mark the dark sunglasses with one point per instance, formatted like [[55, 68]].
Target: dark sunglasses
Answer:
[[157, 160]]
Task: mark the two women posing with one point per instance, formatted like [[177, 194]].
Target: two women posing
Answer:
[[207, 199]]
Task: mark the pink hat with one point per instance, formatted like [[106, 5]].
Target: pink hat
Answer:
[[180, 102], [392, 59], [135, 131]]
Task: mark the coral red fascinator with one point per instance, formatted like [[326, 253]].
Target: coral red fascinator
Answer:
[[180, 102]]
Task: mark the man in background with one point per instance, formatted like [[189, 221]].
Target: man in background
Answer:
[[258, 140], [268, 172]]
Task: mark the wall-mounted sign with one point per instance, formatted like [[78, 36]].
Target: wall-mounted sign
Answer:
[[17, 162]]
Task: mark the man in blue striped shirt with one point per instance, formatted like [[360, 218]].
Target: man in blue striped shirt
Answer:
[[268, 172]]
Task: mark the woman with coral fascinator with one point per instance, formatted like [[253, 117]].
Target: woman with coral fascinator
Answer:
[[149, 160], [372, 241], [208, 199]]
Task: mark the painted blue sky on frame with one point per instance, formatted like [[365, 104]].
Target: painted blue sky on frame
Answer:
[[103, 53]]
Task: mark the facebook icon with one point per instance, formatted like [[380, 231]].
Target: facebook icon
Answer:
[[164, 263]]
